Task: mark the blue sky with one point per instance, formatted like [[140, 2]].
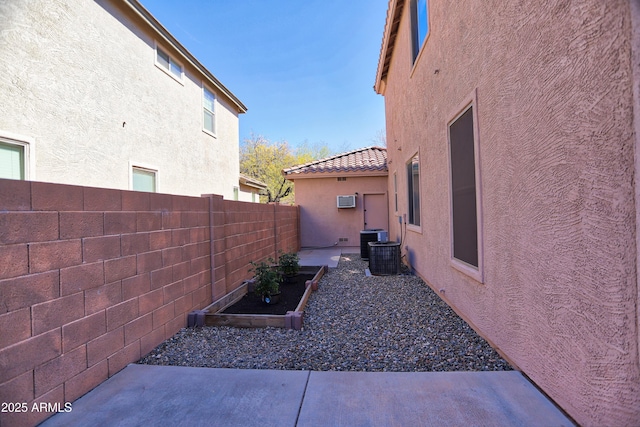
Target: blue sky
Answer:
[[305, 69]]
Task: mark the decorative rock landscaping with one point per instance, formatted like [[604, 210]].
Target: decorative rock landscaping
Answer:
[[352, 323]]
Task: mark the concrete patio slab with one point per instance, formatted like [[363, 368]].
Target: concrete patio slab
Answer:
[[325, 256], [329, 257], [179, 396], [426, 399], [183, 396]]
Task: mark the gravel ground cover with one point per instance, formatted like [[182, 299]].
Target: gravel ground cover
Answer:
[[352, 323]]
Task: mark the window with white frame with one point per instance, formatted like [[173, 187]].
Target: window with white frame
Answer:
[[168, 64], [419, 25], [15, 156], [208, 107], [144, 179], [413, 186]]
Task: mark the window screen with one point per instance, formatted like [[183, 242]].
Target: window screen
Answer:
[[413, 180], [463, 187]]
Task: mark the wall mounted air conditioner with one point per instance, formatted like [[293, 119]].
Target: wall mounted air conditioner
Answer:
[[346, 201]]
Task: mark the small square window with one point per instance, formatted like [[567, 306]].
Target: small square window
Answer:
[[167, 63], [143, 179], [11, 161]]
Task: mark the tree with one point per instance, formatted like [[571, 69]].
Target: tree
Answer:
[[264, 160], [307, 152], [380, 139]]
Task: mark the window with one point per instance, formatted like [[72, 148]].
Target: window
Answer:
[[208, 105], [168, 64], [16, 156], [419, 25], [143, 179], [413, 180], [395, 191], [12, 161], [236, 193], [464, 206]]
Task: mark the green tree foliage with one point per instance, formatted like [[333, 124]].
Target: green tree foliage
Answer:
[[307, 152], [264, 160]]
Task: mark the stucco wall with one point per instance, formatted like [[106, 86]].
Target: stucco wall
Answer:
[[248, 194], [552, 83], [79, 78], [321, 222]]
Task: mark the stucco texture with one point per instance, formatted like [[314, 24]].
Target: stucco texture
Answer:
[[79, 77], [551, 84], [322, 224]]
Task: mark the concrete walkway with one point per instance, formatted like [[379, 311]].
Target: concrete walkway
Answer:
[[171, 395]]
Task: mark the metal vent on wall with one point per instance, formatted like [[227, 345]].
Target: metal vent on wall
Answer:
[[346, 201]]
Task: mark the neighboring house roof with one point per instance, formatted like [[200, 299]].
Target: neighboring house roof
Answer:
[[165, 35], [394, 14], [364, 161], [252, 182]]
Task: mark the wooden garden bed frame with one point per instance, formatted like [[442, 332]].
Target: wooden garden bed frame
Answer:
[[213, 315]]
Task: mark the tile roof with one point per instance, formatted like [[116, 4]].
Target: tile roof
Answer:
[[360, 160]]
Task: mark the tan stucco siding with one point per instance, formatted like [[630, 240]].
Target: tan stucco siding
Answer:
[[80, 79], [553, 89], [321, 222]]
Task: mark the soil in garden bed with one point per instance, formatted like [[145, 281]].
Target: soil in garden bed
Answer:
[[291, 292]]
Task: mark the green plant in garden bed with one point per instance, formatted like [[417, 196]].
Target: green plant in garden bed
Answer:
[[289, 263], [267, 280]]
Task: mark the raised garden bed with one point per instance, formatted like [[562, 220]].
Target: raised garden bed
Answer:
[[241, 308]]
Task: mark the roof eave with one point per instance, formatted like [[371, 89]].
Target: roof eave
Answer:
[[257, 187], [335, 174], [163, 33], [394, 13]]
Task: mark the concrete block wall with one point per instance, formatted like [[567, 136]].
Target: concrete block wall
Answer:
[[92, 279], [251, 232]]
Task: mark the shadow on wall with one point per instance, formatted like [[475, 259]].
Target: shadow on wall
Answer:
[[409, 256]]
